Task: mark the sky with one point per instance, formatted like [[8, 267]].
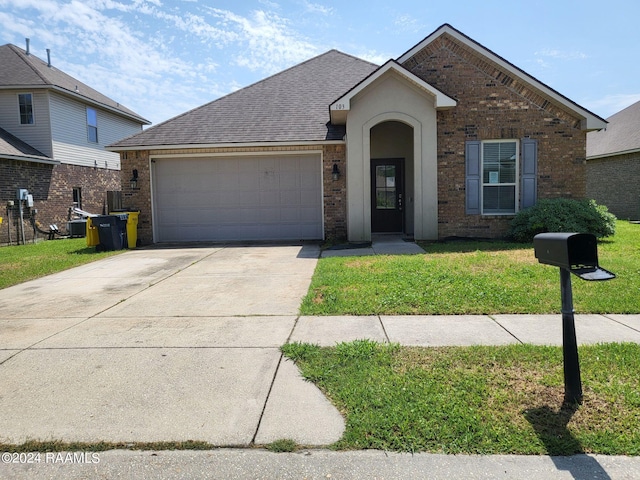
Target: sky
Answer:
[[161, 58]]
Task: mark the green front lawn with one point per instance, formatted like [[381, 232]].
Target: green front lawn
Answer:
[[19, 263], [473, 277], [478, 400]]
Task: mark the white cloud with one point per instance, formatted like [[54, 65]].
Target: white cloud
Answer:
[[269, 4], [266, 41], [561, 54], [373, 57], [316, 8], [408, 24], [613, 103]]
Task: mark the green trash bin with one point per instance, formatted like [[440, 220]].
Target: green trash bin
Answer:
[[132, 226]]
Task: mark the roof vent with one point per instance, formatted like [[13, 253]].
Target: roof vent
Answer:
[[27, 40], [48, 57]]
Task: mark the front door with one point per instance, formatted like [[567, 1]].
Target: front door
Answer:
[[387, 195]]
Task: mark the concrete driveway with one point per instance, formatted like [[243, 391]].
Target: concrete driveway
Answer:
[[168, 344]]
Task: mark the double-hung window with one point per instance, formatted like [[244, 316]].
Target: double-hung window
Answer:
[[499, 177], [77, 197], [25, 104], [92, 125]]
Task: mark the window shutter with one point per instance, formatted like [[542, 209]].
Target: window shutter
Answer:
[[529, 189], [473, 178]]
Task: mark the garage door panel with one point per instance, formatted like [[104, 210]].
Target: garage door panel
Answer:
[[289, 197], [248, 198], [308, 198], [238, 198]]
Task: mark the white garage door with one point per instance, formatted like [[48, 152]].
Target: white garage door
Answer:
[[237, 198]]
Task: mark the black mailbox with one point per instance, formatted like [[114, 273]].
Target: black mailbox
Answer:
[[576, 252]]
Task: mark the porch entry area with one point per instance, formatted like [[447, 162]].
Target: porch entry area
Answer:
[[392, 177], [387, 195]]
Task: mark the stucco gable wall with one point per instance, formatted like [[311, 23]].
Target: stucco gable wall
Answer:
[[391, 98], [494, 105]]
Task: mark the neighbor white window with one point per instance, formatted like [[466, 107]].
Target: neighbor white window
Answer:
[[499, 177], [77, 197], [25, 103], [92, 125]]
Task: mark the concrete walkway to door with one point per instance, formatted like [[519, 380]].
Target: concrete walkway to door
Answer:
[[381, 244]]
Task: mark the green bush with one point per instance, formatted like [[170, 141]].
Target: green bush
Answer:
[[562, 215]]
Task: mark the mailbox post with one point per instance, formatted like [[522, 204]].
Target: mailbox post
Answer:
[[575, 253]]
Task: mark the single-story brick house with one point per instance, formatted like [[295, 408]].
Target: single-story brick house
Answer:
[[613, 164], [449, 139]]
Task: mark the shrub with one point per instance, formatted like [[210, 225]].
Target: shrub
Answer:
[[562, 215]]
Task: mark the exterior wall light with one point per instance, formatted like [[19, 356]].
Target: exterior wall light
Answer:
[[134, 179], [335, 172]]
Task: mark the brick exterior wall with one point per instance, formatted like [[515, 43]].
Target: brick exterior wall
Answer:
[[493, 105], [614, 181], [138, 199], [335, 192], [52, 189]]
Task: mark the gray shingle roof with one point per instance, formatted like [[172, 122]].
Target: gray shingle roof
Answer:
[[13, 147], [291, 106], [19, 70], [621, 135]]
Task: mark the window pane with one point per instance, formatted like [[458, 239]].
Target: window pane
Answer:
[[92, 117], [385, 176], [499, 199], [499, 162], [391, 176], [93, 134], [380, 176], [92, 125], [385, 199], [25, 101]]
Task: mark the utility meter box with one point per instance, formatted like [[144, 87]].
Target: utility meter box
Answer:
[[575, 252]]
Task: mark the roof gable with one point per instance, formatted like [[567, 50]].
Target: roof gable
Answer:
[[340, 107], [621, 136], [22, 70], [290, 106], [589, 120]]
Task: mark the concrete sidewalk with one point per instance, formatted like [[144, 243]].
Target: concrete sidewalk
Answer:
[[160, 345], [316, 464]]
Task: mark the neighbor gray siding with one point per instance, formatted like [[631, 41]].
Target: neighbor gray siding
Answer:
[[70, 139], [37, 135]]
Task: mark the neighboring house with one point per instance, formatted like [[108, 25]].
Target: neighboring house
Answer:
[[53, 130], [447, 140], [613, 164]]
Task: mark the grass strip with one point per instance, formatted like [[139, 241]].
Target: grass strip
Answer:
[[472, 277], [20, 263], [478, 400]]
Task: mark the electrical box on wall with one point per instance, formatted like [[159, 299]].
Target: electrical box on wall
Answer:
[[29, 200], [22, 193]]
